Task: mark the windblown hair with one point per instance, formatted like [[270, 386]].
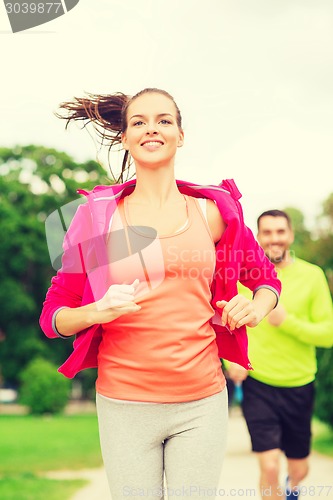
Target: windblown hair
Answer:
[[108, 114]]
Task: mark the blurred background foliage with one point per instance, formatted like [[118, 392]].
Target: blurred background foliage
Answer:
[[317, 247], [34, 182]]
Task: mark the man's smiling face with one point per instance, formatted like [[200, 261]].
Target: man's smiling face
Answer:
[[275, 237]]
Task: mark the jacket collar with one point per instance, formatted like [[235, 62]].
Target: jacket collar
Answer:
[[117, 191]]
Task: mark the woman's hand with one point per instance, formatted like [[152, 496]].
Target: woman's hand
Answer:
[[239, 311], [118, 297], [118, 300]]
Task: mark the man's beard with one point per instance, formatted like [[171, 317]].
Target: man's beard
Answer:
[[277, 260]]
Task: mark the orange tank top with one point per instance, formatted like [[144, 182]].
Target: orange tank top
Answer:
[[166, 352]]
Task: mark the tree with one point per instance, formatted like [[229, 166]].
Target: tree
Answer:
[[317, 247], [323, 256], [34, 181], [303, 241], [43, 390]]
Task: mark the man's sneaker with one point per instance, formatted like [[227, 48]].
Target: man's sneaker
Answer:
[[290, 494]]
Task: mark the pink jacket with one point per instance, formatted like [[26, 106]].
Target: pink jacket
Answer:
[[238, 257]]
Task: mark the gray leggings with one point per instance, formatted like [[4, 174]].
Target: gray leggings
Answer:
[[141, 442]]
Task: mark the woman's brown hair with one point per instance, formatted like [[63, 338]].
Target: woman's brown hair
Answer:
[[108, 114]]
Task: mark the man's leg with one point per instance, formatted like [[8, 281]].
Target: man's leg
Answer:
[[262, 418], [269, 464], [296, 417], [298, 469]]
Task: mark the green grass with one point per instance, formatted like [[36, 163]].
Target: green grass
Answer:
[[322, 441], [35, 444], [29, 487], [31, 446]]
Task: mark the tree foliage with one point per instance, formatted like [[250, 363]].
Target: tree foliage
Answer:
[[43, 389], [317, 248], [303, 240], [34, 181]]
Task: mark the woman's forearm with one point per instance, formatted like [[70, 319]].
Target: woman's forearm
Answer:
[[70, 321], [265, 300], [118, 300]]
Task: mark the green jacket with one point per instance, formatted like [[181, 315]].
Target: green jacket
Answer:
[[286, 355]]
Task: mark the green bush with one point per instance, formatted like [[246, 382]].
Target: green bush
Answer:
[[324, 386], [43, 389]]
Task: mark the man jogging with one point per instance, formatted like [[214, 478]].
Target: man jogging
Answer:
[[278, 395]]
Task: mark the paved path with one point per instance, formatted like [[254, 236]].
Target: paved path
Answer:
[[240, 472]]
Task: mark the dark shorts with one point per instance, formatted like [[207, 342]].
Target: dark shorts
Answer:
[[279, 417]]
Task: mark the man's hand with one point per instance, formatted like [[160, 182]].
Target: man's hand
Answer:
[[237, 373], [277, 316]]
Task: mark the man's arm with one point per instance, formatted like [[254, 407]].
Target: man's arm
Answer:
[[318, 329]]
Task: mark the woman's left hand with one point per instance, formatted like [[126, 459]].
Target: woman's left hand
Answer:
[[239, 311]]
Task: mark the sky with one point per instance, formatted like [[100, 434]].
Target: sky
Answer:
[[253, 80]]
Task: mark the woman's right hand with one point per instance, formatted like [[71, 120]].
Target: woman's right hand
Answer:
[[118, 300]]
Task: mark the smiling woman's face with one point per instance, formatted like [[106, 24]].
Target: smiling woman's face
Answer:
[[152, 135]]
